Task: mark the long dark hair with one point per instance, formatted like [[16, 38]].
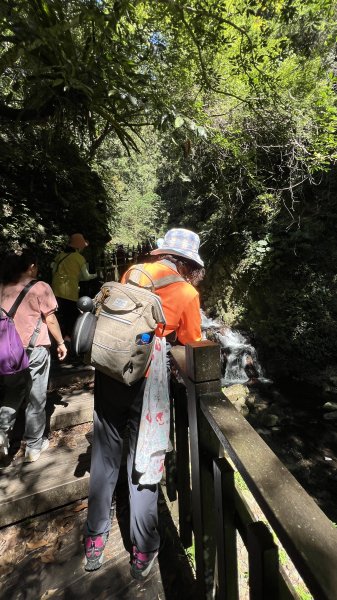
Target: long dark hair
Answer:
[[14, 265], [188, 269]]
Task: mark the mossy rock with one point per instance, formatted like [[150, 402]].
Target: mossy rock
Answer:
[[236, 392]]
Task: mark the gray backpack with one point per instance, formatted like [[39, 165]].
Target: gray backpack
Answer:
[[125, 311]]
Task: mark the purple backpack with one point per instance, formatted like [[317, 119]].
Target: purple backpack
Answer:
[[13, 356]]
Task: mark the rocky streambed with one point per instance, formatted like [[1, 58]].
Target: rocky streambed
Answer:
[[304, 437]]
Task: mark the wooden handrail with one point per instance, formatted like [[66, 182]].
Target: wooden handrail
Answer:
[[307, 535]]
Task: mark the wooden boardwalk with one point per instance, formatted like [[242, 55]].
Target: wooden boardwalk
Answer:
[[43, 509], [46, 561]]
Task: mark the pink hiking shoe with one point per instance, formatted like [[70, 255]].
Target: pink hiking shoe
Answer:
[[94, 548], [142, 563]]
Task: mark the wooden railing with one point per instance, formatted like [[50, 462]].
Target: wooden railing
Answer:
[[111, 266], [209, 436]]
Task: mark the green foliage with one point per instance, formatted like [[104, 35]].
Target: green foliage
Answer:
[[303, 593], [190, 553], [242, 96], [75, 62], [99, 68], [131, 182], [47, 191], [240, 482], [251, 189]]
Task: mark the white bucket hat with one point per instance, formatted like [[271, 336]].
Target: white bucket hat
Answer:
[[180, 242]]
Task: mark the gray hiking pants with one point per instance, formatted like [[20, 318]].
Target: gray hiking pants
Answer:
[[116, 406], [30, 385]]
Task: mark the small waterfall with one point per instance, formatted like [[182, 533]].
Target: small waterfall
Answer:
[[240, 360], [242, 364]]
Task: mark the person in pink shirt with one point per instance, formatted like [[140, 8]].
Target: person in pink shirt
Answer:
[[36, 312]]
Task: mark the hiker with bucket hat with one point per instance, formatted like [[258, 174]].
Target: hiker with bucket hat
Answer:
[[69, 268], [118, 406]]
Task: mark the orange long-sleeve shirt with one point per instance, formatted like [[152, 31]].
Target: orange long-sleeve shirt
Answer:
[[180, 302]]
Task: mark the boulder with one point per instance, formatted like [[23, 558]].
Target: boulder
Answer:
[[330, 406], [250, 400], [236, 391], [244, 410], [330, 416], [238, 395], [269, 420]]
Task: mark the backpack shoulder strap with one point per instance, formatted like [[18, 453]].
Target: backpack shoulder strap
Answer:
[[164, 281], [60, 261], [134, 278], [155, 284], [20, 297], [2, 310], [35, 335]]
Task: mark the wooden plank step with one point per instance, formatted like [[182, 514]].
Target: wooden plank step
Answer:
[[56, 567], [66, 374], [43, 558], [73, 408], [60, 476]]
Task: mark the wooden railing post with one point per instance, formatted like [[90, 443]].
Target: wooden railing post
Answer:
[[183, 466], [203, 372], [224, 486], [116, 271], [263, 563], [171, 464]]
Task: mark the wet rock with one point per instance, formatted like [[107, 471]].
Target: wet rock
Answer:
[[330, 374], [238, 394], [250, 400], [256, 398], [240, 405], [277, 396], [269, 420], [326, 381], [261, 407], [330, 416], [252, 419], [276, 409], [244, 410], [234, 392], [329, 389], [330, 406], [263, 431]]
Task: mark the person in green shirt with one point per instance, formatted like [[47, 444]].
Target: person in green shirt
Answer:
[[69, 268]]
